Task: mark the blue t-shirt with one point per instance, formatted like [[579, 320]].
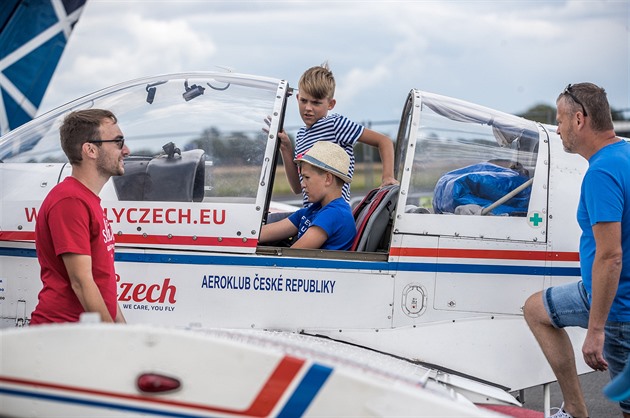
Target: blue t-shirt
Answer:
[[335, 219], [605, 197], [334, 128]]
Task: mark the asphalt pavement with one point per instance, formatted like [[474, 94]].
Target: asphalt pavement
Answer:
[[592, 385]]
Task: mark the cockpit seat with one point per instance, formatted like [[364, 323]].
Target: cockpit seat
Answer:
[[165, 178], [373, 216]]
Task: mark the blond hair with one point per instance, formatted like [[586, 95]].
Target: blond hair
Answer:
[[318, 82]]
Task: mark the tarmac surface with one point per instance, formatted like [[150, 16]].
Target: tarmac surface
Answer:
[[592, 385]]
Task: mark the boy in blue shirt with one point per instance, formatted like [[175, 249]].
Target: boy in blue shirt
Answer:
[[328, 222], [315, 98]]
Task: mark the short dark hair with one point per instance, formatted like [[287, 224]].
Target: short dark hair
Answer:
[[595, 103], [80, 127]]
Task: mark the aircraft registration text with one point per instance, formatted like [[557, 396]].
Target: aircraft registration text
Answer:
[[271, 284]]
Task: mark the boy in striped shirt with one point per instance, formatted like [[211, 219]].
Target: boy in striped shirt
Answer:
[[315, 99]]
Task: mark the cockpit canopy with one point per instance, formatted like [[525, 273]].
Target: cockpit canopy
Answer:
[[213, 122]]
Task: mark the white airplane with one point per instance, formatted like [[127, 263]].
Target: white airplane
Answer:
[[484, 216]]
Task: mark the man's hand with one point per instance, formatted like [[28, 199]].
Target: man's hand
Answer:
[[593, 349]]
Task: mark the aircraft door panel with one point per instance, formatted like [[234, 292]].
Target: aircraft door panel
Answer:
[[454, 278], [488, 276]]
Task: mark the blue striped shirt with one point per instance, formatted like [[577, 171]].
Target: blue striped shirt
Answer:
[[335, 128]]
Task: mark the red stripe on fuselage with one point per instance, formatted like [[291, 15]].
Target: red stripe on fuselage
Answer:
[[264, 403], [484, 254]]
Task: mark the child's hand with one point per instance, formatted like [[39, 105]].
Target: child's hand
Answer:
[[387, 181], [285, 142], [268, 123]]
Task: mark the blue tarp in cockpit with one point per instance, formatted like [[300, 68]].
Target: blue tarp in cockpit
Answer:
[[480, 184]]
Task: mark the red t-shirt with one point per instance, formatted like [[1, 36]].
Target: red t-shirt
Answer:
[[71, 220]]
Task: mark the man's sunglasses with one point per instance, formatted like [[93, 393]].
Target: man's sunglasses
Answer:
[[119, 141], [567, 90]]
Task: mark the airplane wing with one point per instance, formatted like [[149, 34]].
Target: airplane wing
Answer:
[[33, 35]]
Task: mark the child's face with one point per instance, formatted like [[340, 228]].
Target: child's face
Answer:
[[312, 109], [313, 183]]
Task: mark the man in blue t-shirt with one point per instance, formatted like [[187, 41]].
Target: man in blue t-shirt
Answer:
[[600, 302], [328, 222]]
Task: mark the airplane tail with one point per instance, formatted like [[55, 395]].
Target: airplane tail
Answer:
[[33, 35]]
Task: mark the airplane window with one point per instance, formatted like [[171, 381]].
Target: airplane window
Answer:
[[468, 161], [195, 139], [37, 145], [213, 136]]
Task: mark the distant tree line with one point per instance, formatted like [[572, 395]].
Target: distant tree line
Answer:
[[544, 113]]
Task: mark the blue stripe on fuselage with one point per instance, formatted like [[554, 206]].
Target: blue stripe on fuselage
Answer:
[[311, 263]]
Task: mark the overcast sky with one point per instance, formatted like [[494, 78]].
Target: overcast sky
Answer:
[[507, 55]]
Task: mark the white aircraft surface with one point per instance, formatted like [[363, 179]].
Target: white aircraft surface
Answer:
[[484, 216], [210, 373]]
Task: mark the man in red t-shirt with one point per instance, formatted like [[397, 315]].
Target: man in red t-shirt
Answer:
[[74, 241]]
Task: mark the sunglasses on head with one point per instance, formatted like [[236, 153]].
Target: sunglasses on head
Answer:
[[567, 90]]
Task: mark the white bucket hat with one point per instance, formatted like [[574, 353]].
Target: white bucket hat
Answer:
[[329, 157]]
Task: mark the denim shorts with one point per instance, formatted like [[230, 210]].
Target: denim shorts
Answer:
[[568, 306]]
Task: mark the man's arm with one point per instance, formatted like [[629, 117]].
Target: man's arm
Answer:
[[385, 149], [606, 272], [79, 269]]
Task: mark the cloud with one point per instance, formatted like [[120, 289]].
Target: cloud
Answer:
[[104, 54], [357, 79], [507, 55]]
